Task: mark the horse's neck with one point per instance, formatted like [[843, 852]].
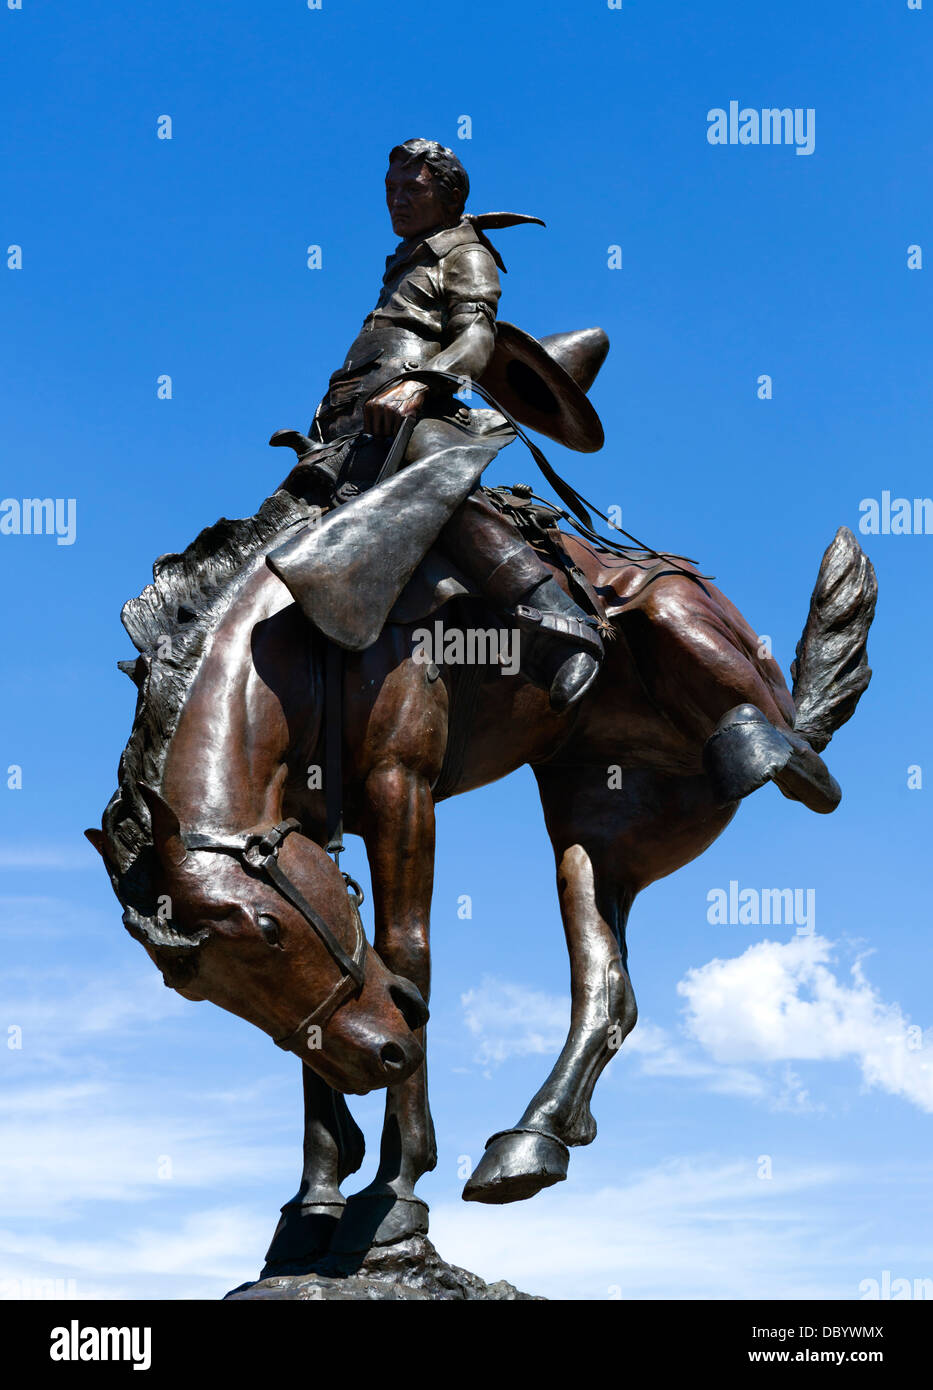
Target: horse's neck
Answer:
[[226, 764]]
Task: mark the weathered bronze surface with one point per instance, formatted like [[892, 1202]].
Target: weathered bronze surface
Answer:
[[630, 660]]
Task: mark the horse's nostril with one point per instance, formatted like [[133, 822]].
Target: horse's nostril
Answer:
[[393, 1058], [407, 999]]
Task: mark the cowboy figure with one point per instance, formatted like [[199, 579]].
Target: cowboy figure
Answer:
[[437, 310]]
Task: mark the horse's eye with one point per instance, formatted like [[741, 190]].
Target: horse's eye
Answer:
[[269, 928]]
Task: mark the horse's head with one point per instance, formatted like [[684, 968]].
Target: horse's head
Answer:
[[264, 928]]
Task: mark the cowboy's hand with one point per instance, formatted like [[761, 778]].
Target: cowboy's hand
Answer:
[[383, 414]]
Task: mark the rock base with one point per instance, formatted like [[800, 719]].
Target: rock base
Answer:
[[411, 1271]]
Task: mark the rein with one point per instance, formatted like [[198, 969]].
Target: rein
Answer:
[[258, 851], [578, 504]]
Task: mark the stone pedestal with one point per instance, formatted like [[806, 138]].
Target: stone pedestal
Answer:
[[410, 1271]]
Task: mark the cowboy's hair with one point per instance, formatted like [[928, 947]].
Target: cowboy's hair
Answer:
[[444, 165]]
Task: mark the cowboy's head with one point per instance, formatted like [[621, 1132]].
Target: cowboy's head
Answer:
[[426, 187]]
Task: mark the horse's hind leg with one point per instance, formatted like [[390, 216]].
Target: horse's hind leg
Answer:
[[333, 1149], [595, 899], [700, 663]]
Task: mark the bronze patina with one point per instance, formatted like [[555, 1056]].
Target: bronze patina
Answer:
[[289, 642]]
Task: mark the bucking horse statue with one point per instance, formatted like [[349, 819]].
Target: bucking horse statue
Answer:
[[284, 697]]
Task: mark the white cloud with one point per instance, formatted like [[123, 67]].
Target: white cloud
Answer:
[[781, 1002], [510, 1020]]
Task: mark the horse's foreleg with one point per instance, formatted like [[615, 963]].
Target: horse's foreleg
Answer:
[[333, 1149], [399, 837], [595, 902]]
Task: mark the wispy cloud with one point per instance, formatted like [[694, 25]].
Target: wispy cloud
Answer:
[[121, 1195], [747, 1018], [510, 1020], [204, 1255], [62, 1017], [686, 1229], [658, 1053], [64, 1146], [80, 855], [35, 916]]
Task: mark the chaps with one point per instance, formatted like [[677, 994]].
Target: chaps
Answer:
[[346, 571]]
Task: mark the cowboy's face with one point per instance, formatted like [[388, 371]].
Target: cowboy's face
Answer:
[[414, 200]]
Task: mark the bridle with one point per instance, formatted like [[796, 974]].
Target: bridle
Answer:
[[258, 850]]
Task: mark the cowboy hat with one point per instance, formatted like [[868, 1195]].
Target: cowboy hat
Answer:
[[543, 382]]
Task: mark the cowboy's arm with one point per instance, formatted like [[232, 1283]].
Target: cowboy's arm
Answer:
[[471, 292]]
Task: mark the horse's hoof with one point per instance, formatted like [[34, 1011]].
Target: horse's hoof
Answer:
[[303, 1235], [517, 1164], [806, 778], [379, 1218]]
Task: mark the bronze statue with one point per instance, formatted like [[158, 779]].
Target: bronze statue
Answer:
[[284, 643]]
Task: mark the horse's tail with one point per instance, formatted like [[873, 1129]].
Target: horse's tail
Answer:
[[831, 671]]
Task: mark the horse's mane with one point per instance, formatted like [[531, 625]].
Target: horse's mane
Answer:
[[170, 623]]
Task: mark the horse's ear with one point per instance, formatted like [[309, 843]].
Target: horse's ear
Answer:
[[96, 838], [166, 830], [99, 842]]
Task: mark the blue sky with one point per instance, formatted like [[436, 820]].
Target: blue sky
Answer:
[[142, 257]]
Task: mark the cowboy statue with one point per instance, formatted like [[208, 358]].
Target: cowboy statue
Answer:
[[218, 841], [392, 416]]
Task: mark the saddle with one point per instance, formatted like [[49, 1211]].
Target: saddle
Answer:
[[333, 473]]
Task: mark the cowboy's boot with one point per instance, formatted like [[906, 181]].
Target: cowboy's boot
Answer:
[[560, 647]]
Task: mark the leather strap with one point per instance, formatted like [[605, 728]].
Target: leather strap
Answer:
[[397, 452], [349, 985], [350, 965], [333, 749], [568, 494], [258, 850]]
